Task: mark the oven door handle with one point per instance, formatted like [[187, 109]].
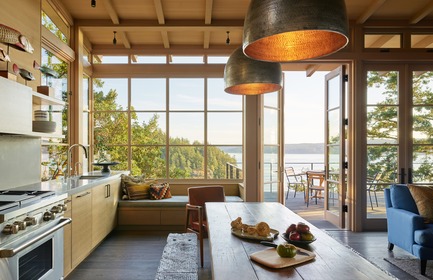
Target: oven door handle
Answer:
[[8, 253]]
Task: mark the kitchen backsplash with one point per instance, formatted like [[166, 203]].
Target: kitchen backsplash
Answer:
[[20, 161]]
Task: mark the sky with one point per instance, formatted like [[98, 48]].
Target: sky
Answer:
[[304, 107]]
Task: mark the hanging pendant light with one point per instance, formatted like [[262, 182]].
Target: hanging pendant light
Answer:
[[243, 75], [288, 30], [114, 38]]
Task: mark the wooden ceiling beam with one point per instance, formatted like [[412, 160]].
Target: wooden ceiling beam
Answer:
[[208, 12], [116, 21], [111, 11], [374, 5], [206, 39], [161, 20], [425, 11], [146, 25], [165, 39], [159, 11], [311, 69], [157, 50]]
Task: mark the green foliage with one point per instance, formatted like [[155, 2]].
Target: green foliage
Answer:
[[148, 152], [382, 126]]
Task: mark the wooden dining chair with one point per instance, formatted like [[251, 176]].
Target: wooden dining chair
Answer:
[[196, 221]]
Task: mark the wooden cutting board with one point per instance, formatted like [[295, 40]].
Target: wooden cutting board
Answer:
[[270, 258]]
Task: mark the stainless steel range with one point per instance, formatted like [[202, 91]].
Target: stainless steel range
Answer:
[[31, 238]]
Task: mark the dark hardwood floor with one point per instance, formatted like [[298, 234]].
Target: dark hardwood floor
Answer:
[[131, 255]]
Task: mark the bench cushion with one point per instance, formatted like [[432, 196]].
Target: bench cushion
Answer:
[[174, 201]]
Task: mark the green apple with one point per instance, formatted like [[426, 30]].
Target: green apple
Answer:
[[286, 250]]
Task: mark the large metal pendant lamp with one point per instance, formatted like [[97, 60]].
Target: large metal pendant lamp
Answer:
[[243, 75], [288, 30]]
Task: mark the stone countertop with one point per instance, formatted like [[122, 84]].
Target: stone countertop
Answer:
[[74, 184]]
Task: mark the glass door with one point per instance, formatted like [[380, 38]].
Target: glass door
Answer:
[[273, 150], [335, 139], [399, 132]]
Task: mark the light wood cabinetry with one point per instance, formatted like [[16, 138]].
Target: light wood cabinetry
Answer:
[[104, 208], [94, 216], [81, 226], [67, 239]]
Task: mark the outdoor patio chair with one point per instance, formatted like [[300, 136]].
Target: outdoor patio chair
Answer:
[[315, 190], [293, 181], [372, 187]]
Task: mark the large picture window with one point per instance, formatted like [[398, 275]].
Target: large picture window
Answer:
[[171, 128]]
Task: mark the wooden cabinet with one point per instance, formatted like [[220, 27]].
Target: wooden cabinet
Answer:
[[67, 239], [81, 226], [94, 216], [104, 208]]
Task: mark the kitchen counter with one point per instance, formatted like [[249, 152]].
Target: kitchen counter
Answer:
[[74, 184]]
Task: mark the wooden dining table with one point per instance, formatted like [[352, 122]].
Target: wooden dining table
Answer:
[[230, 254]]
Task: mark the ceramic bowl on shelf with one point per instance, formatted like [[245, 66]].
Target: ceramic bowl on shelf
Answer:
[[44, 126], [41, 115]]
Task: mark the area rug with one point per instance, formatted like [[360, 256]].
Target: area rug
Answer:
[[411, 266]]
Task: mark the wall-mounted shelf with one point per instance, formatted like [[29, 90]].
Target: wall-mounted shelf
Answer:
[[41, 99], [16, 109]]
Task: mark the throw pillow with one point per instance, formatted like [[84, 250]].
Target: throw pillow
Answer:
[[160, 191], [129, 179], [136, 191], [401, 198], [423, 196]]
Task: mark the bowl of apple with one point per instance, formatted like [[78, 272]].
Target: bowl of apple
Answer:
[[298, 234]]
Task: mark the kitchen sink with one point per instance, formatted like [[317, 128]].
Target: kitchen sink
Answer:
[[91, 177]]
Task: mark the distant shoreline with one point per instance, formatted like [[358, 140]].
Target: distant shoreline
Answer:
[[301, 148], [304, 148]]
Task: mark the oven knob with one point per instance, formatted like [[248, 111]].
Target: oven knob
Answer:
[[56, 209], [10, 229], [49, 216], [63, 206], [30, 221], [21, 225]]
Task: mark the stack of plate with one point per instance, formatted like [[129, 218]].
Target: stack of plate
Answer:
[[41, 122], [41, 115]]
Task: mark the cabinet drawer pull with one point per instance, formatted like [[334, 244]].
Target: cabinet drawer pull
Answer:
[[84, 194], [68, 201]]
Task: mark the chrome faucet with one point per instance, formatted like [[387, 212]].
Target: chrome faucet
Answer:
[[68, 166]]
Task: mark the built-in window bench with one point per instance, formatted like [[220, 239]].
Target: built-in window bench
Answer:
[[165, 214]]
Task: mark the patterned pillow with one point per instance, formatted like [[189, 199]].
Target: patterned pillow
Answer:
[[160, 191], [129, 179], [423, 196], [136, 191]]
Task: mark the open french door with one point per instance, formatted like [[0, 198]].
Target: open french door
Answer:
[[335, 147], [273, 147]]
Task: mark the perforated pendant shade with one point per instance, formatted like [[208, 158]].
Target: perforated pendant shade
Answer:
[[243, 75], [288, 30]]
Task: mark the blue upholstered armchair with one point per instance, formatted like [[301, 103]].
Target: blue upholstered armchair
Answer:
[[406, 228]]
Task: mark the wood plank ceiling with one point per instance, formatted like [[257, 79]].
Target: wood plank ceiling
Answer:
[[202, 25]]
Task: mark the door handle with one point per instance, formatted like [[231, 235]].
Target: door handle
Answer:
[[402, 175], [409, 176]]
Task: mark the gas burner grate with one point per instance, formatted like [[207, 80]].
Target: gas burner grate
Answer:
[[8, 205], [40, 194]]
